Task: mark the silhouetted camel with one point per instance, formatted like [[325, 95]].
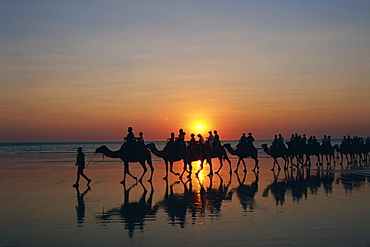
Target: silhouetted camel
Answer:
[[244, 151], [295, 151], [328, 151], [275, 154], [347, 151], [311, 149], [140, 154], [169, 155], [172, 154]]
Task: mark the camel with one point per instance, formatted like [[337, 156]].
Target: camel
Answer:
[[169, 156], [140, 154], [328, 151], [311, 149], [244, 152], [295, 151], [344, 151], [275, 154], [207, 154]]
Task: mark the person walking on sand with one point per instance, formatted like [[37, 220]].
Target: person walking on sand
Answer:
[[80, 163]]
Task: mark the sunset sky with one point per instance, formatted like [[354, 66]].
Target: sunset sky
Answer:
[[86, 70]]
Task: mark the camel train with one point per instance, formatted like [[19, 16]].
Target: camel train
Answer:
[[176, 149]]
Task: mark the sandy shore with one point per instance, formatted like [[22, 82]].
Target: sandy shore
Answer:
[[41, 208]]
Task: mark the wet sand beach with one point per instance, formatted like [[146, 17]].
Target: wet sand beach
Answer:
[[312, 208]]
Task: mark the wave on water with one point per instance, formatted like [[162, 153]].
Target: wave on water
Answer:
[[89, 147]]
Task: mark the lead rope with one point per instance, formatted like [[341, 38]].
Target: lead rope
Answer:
[[90, 160]]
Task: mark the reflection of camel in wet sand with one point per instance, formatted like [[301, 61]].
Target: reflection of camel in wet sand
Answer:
[[275, 154], [195, 202], [176, 204], [140, 154], [246, 192], [132, 214], [299, 183], [244, 152], [212, 198]]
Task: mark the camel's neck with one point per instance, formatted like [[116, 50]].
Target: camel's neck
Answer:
[[155, 151], [266, 149], [111, 154], [230, 149]]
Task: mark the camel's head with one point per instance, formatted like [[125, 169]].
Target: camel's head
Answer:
[[100, 149], [150, 145]]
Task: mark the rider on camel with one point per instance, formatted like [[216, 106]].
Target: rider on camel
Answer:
[[180, 141], [130, 135], [129, 141], [250, 139], [200, 143], [140, 139], [192, 143], [216, 137], [210, 139]]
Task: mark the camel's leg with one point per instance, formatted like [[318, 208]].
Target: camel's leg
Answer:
[[273, 166], [245, 166], [184, 170], [237, 165], [221, 165], [142, 163], [255, 164], [151, 170], [200, 168], [171, 169], [166, 164], [286, 162], [277, 162], [190, 170], [210, 167], [127, 171], [229, 161]]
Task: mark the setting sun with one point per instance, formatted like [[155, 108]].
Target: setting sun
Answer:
[[199, 127]]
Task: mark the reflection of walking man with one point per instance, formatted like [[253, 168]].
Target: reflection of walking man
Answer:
[[80, 163], [80, 208]]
